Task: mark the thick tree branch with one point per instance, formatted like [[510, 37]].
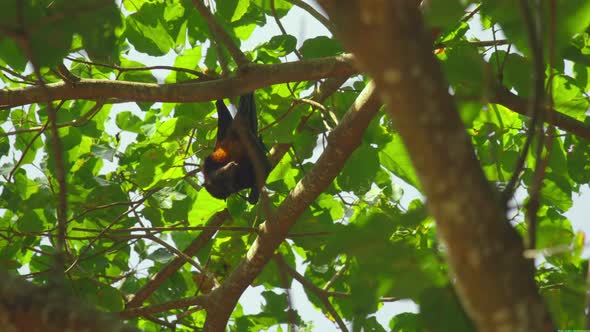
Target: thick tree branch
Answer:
[[519, 105], [260, 76], [250, 78], [341, 143], [25, 307], [485, 253]]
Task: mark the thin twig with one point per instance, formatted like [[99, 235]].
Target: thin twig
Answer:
[[281, 27], [177, 252], [533, 26], [167, 271], [471, 14], [320, 293], [164, 229], [199, 74], [162, 307], [335, 277], [108, 227], [326, 112], [100, 207], [287, 287], [66, 74], [486, 43], [278, 119], [82, 121], [25, 151], [317, 15], [218, 32], [24, 79]]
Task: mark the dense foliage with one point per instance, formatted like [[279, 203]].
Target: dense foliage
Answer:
[[128, 165]]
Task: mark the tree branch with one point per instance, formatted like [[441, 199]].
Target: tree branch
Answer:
[[532, 23], [517, 104], [252, 77], [26, 307], [495, 282], [201, 300]]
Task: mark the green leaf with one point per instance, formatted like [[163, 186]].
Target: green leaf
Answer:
[[4, 143], [279, 46], [284, 176], [360, 169], [129, 121], [103, 152], [553, 230], [148, 30], [329, 203], [25, 186], [557, 192], [241, 9], [144, 76], [50, 45], [568, 98], [100, 31], [405, 322], [563, 291], [204, 208], [232, 10], [282, 7], [577, 159], [453, 36], [320, 47], [394, 158], [440, 310], [161, 255], [444, 13], [188, 60], [194, 113], [579, 50], [31, 222], [464, 68], [11, 55], [109, 298], [573, 15]]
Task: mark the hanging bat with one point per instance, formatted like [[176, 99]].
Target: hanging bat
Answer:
[[238, 160]]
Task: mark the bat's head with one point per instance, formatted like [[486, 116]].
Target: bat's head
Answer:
[[220, 179]]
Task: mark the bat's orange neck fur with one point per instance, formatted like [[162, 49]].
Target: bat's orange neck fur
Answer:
[[220, 154]]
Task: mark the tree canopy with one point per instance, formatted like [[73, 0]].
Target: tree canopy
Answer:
[[480, 107]]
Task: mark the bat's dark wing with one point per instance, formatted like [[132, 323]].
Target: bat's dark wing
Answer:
[[257, 162], [247, 112], [224, 120], [239, 159]]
